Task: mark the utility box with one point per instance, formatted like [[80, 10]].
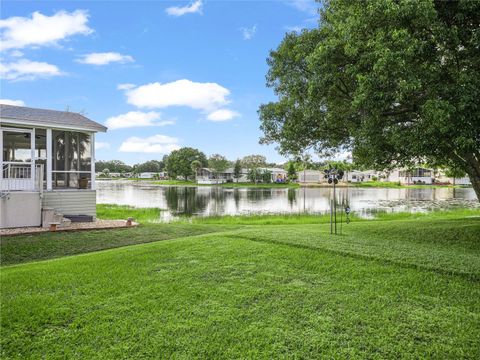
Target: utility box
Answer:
[[20, 209]]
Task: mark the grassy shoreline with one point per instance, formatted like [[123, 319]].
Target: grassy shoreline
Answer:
[[369, 184], [152, 215]]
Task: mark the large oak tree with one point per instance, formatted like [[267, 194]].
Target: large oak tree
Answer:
[[179, 162], [396, 82]]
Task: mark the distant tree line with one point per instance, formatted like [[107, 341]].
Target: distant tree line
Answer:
[[118, 166], [187, 163]]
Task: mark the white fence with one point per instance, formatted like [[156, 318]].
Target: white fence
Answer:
[[18, 177]]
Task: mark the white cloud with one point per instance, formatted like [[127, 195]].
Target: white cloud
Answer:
[[25, 69], [105, 58], [101, 145], [159, 144], [307, 6], [192, 8], [125, 86], [136, 119], [296, 29], [12, 102], [40, 30], [201, 96], [222, 115], [248, 33], [15, 53]]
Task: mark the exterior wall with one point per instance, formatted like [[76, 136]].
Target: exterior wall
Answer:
[[71, 202], [355, 176], [397, 175], [359, 176], [207, 176], [206, 181], [461, 181], [19, 209], [458, 181], [310, 176]]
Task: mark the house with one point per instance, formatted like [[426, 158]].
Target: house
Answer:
[[360, 176], [310, 176], [147, 175], [278, 174], [209, 176], [442, 178], [47, 162], [411, 176]]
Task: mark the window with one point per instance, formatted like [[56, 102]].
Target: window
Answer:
[[71, 159], [16, 146]]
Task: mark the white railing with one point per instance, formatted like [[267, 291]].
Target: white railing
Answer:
[[18, 177]]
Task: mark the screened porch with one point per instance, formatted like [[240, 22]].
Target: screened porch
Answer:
[[38, 159]]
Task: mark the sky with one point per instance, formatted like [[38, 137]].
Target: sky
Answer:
[[160, 74]]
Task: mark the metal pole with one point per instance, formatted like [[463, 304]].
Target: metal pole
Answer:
[[341, 215], [335, 205], [331, 217]]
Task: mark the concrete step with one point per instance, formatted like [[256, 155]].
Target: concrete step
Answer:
[[49, 216]]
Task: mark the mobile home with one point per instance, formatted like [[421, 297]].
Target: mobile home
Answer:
[[47, 162]]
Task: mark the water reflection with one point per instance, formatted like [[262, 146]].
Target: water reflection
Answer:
[[292, 196], [185, 200], [207, 201]]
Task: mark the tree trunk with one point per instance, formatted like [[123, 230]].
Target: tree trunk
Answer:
[[476, 184], [473, 172]]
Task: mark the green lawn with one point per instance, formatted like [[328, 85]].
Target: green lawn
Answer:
[[402, 288]]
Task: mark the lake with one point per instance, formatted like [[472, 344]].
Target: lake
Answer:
[[208, 201]]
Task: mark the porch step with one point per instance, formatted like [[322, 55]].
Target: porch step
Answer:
[[49, 216]]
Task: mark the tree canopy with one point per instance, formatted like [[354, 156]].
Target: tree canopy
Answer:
[[395, 82], [254, 161], [237, 169], [179, 162], [218, 163], [115, 166], [196, 165], [149, 166]]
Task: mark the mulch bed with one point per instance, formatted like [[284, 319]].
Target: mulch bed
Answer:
[[95, 225]]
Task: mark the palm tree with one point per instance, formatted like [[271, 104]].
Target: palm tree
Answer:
[[196, 165]]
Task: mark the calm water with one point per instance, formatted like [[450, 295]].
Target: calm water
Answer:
[[207, 201]]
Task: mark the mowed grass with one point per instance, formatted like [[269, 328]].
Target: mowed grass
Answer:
[[407, 288], [27, 248]]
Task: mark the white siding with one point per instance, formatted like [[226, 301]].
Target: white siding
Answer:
[[68, 202], [310, 176]]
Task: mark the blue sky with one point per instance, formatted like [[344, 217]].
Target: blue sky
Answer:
[[160, 74]]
